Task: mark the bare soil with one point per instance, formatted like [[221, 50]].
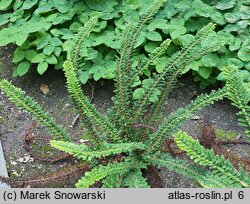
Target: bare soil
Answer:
[[14, 123]]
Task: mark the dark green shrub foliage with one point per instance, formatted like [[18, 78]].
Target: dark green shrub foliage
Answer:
[[129, 139], [44, 31]]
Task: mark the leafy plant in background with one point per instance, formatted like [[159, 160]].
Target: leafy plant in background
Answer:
[[44, 31], [129, 139]]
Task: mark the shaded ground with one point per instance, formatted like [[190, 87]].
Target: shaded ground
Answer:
[[14, 124]]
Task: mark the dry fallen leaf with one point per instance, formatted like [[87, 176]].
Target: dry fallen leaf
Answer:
[[44, 88]]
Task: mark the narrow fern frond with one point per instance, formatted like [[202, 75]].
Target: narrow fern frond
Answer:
[[87, 108], [134, 179], [238, 92], [75, 58], [112, 181], [123, 77], [207, 157], [100, 172], [174, 120], [145, 17], [17, 96], [158, 52], [84, 152], [175, 65], [186, 169], [171, 79], [80, 37]]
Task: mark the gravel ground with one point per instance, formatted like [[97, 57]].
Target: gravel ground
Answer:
[[14, 124]]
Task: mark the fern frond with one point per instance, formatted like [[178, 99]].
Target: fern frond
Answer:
[[205, 157], [17, 96], [134, 179], [80, 37], [173, 121], [111, 181], [75, 58], [84, 152], [135, 31], [238, 92], [85, 106], [174, 67], [123, 77], [171, 79], [158, 52], [186, 169], [100, 172]]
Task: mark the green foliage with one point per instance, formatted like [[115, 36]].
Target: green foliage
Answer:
[[129, 139], [239, 93], [43, 30], [84, 152], [221, 167], [98, 173], [172, 122], [192, 171]]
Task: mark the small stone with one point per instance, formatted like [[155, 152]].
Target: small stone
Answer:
[[21, 160], [66, 105], [13, 163], [196, 117], [83, 141]]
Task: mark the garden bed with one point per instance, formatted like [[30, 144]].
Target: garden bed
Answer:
[[50, 91]]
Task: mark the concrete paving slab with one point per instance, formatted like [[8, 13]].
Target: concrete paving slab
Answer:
[[3, 169]]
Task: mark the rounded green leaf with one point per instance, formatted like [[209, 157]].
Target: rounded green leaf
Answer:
[[51, 59], [154, 36], [221, 77], [4, 4], [232, 17], [160, 64], [23, 68], [18, 55], [205, 72], [138, 93], [150, 47], [97, 5], [49, 49], [27, 4], [75, 27], [225, 4], [38, 58], [84, 76], [236, 62], [235, 45], [42, 67], [247, 66], [92, 54], [30, 54], [192, 66], [210, 60], [244, 54]]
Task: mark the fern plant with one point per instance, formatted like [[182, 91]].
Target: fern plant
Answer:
[[238, 92], [222, 169], [128, 140]]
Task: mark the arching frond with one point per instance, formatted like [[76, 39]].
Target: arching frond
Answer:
[[238, 92], [26, 103], [206, 157], [84, 152]]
